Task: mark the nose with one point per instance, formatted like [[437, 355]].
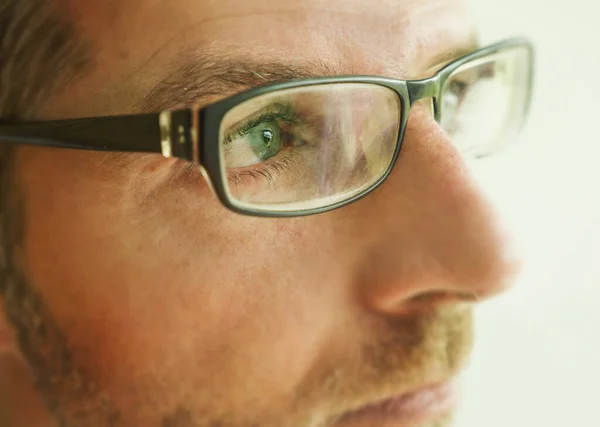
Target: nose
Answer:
[[430, 232]]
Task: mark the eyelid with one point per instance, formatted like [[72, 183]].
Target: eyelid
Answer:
[[272, 110]]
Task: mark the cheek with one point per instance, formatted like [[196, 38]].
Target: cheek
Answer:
[[155, 285]]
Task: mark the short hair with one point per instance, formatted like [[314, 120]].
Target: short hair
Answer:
[[40, 53]]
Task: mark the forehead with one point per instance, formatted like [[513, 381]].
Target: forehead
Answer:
[[137, 42]]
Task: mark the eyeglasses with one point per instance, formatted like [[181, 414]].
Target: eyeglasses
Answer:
[[308, 146]]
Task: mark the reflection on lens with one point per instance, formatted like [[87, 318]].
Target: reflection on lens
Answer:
[[484, 103], [309, 147]]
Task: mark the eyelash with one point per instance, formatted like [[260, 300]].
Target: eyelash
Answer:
[[287, 116], [266, 170], [283, 114]]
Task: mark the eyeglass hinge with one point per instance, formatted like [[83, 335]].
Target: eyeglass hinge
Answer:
[[178, 134], [164, 121]]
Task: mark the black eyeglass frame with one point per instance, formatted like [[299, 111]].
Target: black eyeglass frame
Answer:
[[193, 134]]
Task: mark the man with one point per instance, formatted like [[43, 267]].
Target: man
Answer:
[[250, 263]]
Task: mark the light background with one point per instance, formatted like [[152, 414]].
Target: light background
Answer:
[[537, 361]]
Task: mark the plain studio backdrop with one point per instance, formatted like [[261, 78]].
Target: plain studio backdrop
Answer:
[[537, 360]]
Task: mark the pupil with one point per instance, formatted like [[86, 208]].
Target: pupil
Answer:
[[267, 137]]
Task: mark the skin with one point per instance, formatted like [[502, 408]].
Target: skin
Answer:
[[145, 302]]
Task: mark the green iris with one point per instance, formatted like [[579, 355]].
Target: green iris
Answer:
[[265, 139]]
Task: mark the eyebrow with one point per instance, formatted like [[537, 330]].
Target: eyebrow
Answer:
[[203, 78], [447, 56], [200, 79]]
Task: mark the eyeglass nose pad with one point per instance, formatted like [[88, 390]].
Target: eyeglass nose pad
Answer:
[[209, 182], [428, 104]]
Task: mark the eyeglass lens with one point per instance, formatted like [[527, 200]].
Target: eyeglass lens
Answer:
[[309, 147], [484, 102], [314, 146]]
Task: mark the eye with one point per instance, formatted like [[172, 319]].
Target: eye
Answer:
[[257, 144], [454, 94], [265, 140], [456, 89]]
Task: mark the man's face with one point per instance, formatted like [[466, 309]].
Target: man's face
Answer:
[[144, 302]]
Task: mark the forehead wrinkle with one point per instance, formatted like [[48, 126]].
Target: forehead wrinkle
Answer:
[[365, 40], [212, 74]]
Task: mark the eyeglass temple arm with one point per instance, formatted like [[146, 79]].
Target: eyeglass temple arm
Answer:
[[169, 133]]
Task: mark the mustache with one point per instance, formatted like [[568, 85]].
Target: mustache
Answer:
[[399, 355]]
